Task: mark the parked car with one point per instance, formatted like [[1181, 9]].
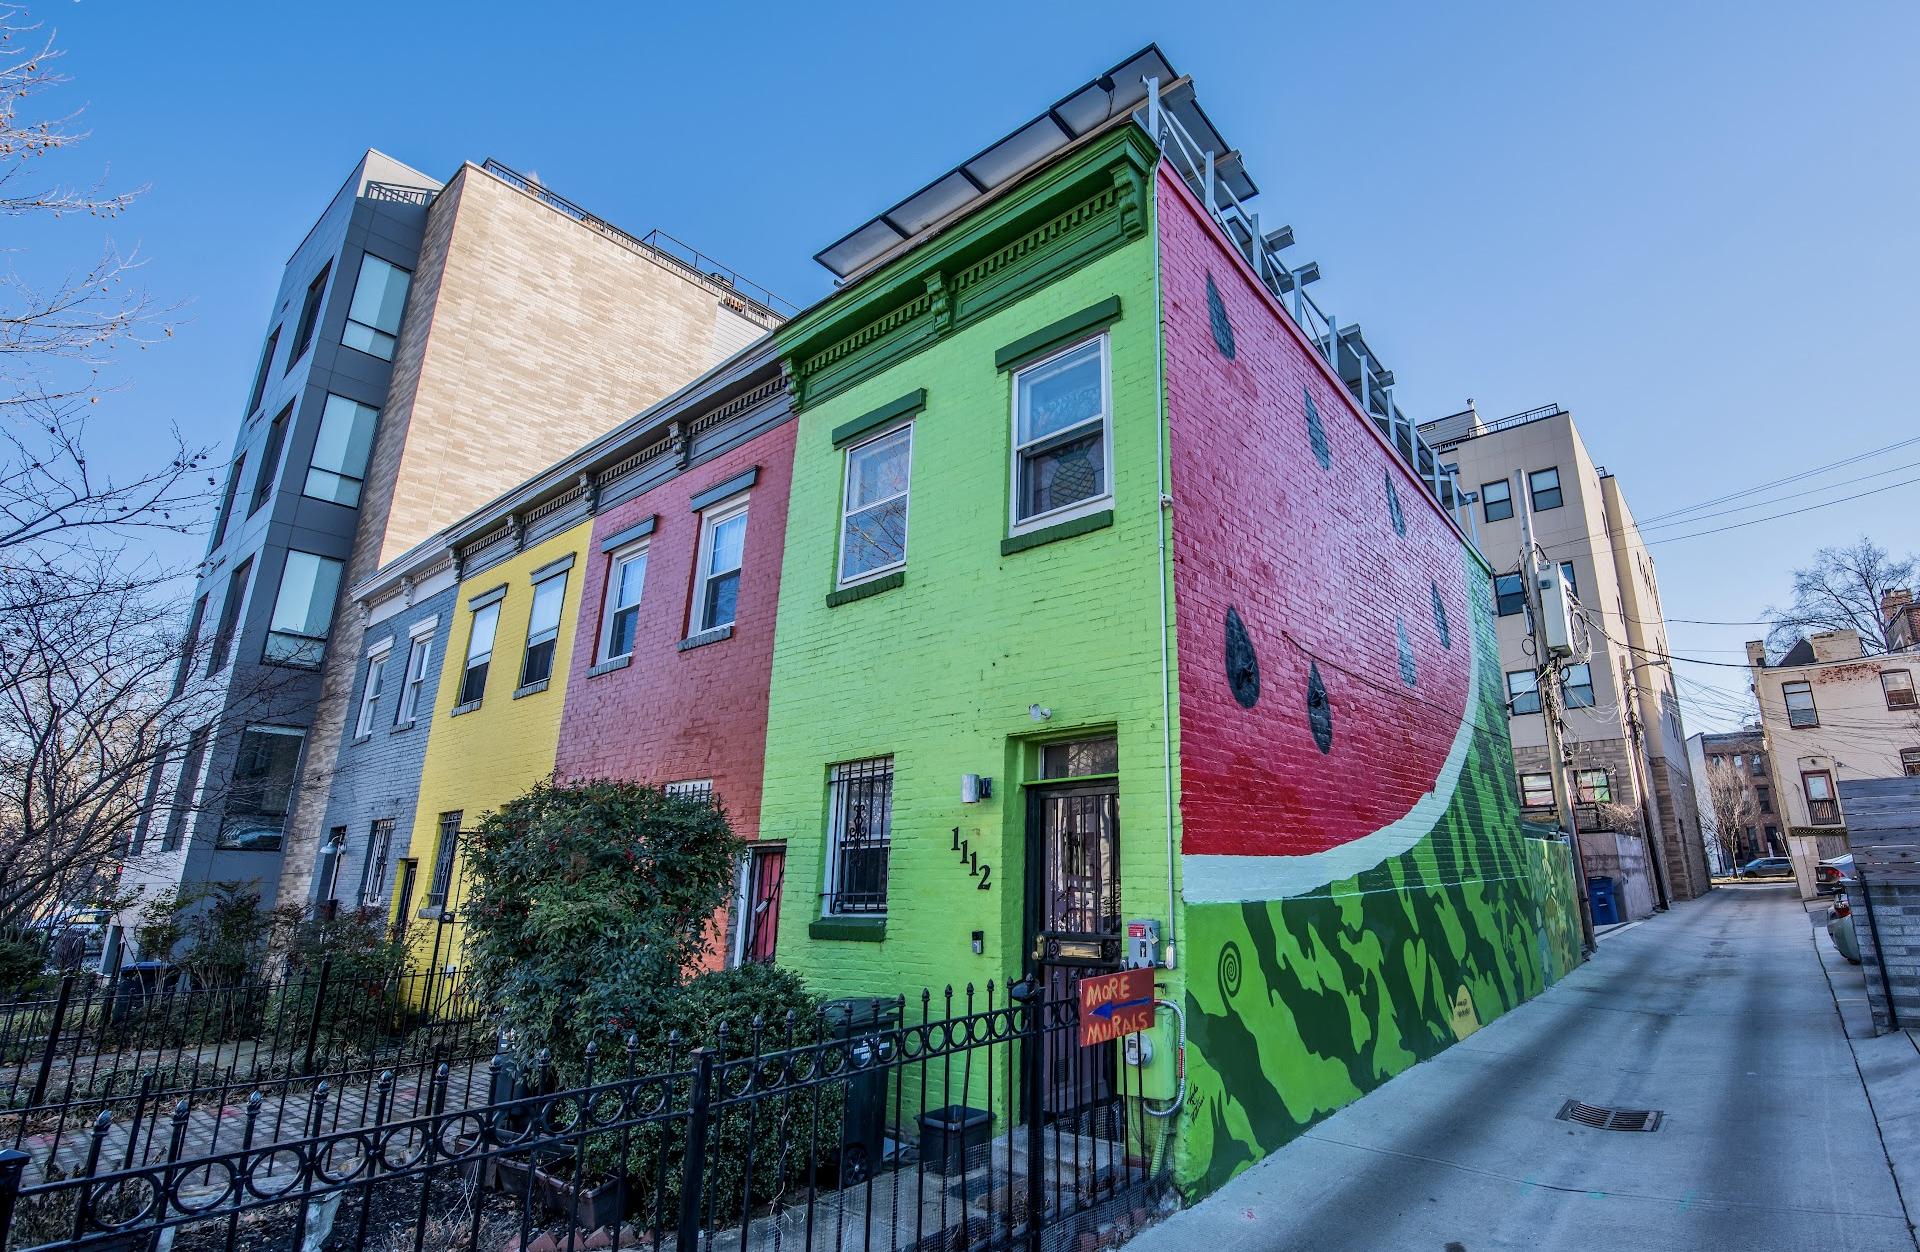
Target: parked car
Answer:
[[1840, 930], [1766, 867], [1835, 875]]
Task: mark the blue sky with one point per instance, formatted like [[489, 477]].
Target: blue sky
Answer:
[[1693, 225]]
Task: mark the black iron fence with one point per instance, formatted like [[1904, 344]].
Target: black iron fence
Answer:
[[132, 1050], [982, 1126]]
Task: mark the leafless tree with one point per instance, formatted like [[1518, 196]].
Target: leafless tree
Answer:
[[1730, 810], [59, 336], [1841, 590], [101, 701]]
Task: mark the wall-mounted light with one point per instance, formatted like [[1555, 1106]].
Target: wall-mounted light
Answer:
[[975, 788], [1039, 712]]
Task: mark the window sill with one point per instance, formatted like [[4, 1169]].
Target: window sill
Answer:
[[460, 710], [871, 587], [849, 929], [432, 913], [705, 637], [609, 665], [400, 726], [360, 739], [1059, 530], [531, 689]]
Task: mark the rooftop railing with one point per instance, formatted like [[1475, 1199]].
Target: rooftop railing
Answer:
[[1494, 427], [1366, 379]]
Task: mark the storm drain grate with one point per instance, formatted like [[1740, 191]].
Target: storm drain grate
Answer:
[[1609, 1119]]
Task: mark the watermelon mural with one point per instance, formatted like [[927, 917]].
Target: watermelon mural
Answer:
[[1358, 894]]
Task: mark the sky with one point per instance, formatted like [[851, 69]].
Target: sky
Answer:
[[1696, 226]]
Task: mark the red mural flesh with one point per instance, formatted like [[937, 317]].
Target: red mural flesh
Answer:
[[1333, 560]]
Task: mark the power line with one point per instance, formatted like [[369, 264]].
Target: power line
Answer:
[[1792, 495], [1774, 517], [1791, 478]]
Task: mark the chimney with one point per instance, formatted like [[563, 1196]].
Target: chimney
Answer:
[[1891, 602], [1836, 645], [1756, 654]]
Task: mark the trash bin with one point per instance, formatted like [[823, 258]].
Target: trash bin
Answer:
[[863, 1136], [946, 1135], [1606, 909]]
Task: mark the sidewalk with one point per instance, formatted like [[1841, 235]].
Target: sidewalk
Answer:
[[1889, 1064], [1718, 1014]]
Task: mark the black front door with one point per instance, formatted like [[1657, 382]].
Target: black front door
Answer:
[[1073, 900]]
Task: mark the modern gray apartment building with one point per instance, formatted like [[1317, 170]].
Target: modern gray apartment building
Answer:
[[1620, 708], [428, 340]]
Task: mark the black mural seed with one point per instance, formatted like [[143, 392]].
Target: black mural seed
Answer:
[[1319, 710], [1316, 433], [1393, 506], [1243, 667], [1217, 313], [1406, 651], [1440, 618]]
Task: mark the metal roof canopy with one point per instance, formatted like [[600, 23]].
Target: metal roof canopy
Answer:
[[1117, 92]]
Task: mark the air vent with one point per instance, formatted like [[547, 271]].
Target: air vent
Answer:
[[1609, 1119]]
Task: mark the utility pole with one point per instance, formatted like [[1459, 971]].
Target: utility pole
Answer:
[[1548, 678]]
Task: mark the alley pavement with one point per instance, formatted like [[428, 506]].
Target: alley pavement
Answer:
[[1718, 1014]]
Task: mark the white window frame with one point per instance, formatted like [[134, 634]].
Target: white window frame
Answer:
[[1016, 525], [550, 635], [1902, 676], [370, 694], [493, 638], [413, 679], [905, 495], [610, 607], [711, 520]]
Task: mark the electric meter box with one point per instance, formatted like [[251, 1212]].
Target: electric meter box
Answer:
[[1143, 943], [1556, 609]]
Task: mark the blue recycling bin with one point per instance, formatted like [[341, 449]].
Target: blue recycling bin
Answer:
[[1606, 908]]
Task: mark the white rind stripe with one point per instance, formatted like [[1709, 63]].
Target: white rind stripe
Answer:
[[1235, 879]]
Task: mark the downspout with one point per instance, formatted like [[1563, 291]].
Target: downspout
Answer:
[[1166, 504]]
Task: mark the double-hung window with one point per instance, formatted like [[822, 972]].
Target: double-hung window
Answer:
[[1523, 691], [859, 836], [1822, 808], [1763, 795], [1800, 709], [375, 868], [1497, 499], [379, 297], [309, 317], [1545, 486], [1593, 786], [873, 521], [340, 451], [444, 855], [723, 545], [1062, 453], [473, 678], [1509, 594], [1569, 579], [370, 693], [1910, 762], [543, 629], [1897, 685], [1536, 791], [408, 706], [1577, 682], [626, 579], [302, 611]]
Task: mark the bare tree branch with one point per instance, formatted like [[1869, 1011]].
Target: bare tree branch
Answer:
[[1841, 590]]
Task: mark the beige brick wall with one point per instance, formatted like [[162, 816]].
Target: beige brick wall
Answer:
[[527, 334]]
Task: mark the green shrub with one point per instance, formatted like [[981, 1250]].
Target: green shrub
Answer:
[[589, 902], [364, 964]]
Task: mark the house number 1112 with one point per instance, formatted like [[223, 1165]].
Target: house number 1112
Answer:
[[971, 860]]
